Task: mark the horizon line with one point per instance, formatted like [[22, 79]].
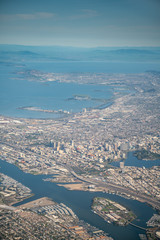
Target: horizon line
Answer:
[[69, 46]]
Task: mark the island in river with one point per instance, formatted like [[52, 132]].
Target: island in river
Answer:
[[111, 211], [39, 219]]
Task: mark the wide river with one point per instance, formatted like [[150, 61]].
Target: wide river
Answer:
[[80, 202]]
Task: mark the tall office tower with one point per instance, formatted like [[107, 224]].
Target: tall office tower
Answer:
[[124, 147], [115, 146], [122, 165], [72, 143], [54, 145], [106, 146]]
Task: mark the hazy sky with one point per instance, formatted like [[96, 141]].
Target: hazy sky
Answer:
[[87, 23]]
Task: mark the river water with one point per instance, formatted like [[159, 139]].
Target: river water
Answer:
[[80, 202]]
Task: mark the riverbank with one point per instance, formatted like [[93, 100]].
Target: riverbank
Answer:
[[146, 155], [80, 202], [12, 191]]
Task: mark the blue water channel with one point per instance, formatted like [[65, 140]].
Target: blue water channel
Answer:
[[131, 160], [80, 202]]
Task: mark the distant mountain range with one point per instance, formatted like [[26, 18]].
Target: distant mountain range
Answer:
[[142, 54]]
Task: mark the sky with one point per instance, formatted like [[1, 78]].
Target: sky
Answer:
[[81, 23]]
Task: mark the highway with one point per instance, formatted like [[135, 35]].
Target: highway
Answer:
[[116, 188], [107, 185]]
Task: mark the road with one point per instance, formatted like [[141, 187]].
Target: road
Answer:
[[107, 185], [116, 188]]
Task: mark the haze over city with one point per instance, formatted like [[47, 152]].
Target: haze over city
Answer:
[[82, 23]]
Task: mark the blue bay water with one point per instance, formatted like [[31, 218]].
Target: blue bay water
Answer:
[[94, 67], [53, 96]]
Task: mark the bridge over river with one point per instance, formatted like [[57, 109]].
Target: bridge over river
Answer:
[[137, 226]]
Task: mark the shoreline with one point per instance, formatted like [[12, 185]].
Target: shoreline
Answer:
[[125, 199], [63, 113], [12, 204]]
